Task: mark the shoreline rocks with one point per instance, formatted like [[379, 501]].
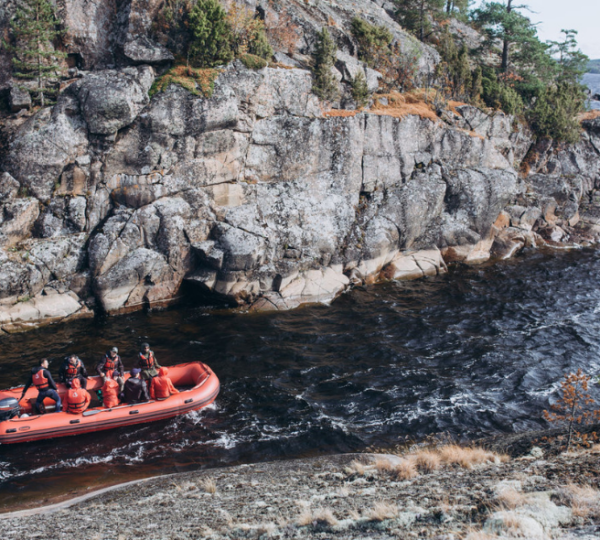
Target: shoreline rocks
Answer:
[[347, 496]]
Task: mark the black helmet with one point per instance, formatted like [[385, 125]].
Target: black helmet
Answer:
[[144, 345]]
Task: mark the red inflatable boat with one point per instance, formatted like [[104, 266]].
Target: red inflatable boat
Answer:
[[198, 386]]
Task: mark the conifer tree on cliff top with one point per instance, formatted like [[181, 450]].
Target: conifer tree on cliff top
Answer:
[[211, 35], [34, 29]]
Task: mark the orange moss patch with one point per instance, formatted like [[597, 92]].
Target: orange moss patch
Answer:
[[278, 65], [196, 81], [340, 113], [401, 105], [590, 115], [453, 104]]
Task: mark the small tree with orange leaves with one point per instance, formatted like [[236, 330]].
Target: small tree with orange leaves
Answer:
[[573, 406]]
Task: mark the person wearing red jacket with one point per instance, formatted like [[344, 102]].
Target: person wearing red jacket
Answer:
[[77, 399], [161, 386], [110, 393]]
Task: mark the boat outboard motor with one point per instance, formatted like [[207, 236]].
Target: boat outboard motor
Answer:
[[9, 408]]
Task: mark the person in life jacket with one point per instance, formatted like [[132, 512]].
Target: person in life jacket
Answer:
[[77, 399], [110, 393], [111, 367], [71, 369], [135, 390], [162, 387], [42, 379], [147, 362]]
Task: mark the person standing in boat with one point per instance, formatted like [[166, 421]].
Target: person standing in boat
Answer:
[[71, 369], [43, 381], [161, 386], [77, 399], [135, 390], [111, 367], [148, 363]]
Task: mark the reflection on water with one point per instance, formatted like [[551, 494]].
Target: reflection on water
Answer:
[[474, 353]]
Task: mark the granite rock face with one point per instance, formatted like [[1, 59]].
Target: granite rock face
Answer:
[[111, 200]]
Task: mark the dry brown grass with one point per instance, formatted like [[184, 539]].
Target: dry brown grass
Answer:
[[427, 460], [209, 485], [510, 498], [467, 458], [401, 105], [480, 535], [589, 115], [583, 499], [336, 113], [406, 470], [453, 104], [356, 467], [382, 510], [318, 517], [383, 465]]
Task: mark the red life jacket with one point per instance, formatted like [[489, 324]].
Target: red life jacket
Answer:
[[147, 362], [39, 380], [72, 370], [76, 401], [110, 364]]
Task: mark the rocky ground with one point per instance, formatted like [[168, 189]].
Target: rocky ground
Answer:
[[446, 493]]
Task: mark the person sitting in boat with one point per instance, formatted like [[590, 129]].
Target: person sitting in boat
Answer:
[[161, 386], [43, 381], [111, 367], [77, 399], [148, 363], [71, 369], [110, 393], [135, 390]]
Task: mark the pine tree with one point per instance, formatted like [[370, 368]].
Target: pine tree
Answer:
[[325, 85], [360, 89], [211, 35], [416, 15], [34, 29]]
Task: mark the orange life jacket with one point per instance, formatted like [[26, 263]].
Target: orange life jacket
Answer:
[[72, 370], [39, 380], [76, 401], [110, 364], [110, 393], [162, 386], [147, 362]]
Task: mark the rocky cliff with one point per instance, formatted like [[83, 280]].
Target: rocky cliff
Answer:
[[258, 195]]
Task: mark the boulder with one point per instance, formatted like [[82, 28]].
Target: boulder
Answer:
[[142, 50], [19, 99], [111, 100], [44, 145]]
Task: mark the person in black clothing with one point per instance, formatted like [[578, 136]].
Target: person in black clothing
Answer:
[[42, 379], [135, 390], [111, 367], [73, 367]]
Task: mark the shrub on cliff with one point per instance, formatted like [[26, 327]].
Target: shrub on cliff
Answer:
[[325, 84], [210, 35], [360, 90], [373, 41], [555, 112], [34, 58], [248, 34]]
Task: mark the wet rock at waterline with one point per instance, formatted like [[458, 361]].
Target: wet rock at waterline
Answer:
[[115, 200]]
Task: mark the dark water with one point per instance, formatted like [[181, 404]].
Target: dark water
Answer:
[[474, 353], [592, 81]]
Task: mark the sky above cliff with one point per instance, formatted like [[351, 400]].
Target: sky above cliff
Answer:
[[554, 15]]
